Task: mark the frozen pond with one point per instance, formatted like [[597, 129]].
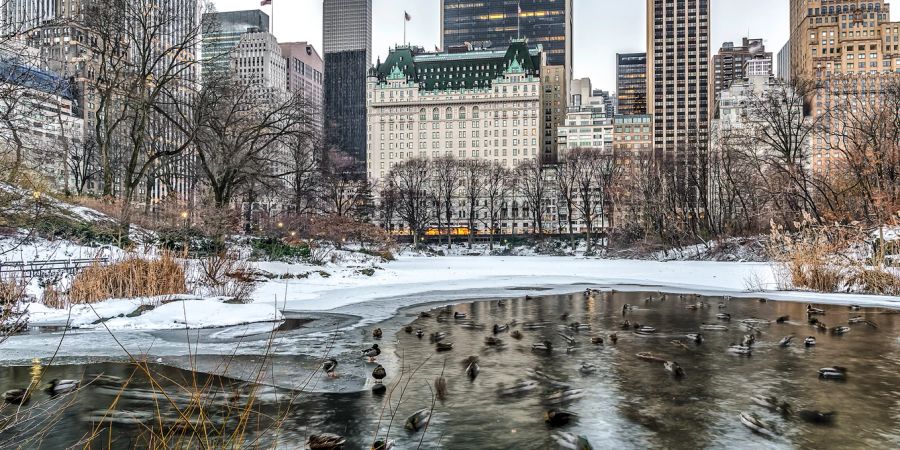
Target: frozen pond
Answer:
[[621, 401]]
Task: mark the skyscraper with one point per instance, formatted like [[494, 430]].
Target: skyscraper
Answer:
[[631, 83], [306, 75], [548, 23], [347, 43], [678, 86], [222, 31], [729, 63]]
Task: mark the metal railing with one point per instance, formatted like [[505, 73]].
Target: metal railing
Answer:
[[35, 268]]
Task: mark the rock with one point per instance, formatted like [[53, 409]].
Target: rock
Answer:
[[140, 310]]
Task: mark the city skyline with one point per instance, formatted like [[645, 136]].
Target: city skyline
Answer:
[[301, 20]]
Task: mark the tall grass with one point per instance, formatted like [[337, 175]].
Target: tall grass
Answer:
[[132, 277]]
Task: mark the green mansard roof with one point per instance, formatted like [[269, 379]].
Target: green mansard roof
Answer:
[[465, 70]]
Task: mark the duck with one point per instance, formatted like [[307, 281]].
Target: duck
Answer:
[[382, 445], [437, 336], [565, 396], [518, 388], [786, 341], [597, 340], [444, 346], [742, 350], [491, 341], [516, 334], [644, 330], [626, 307], [59, 387], [817, 417], [372, 352], [857, 319], [325, 441], [501, 328], [724, 316], [501, 303], [722, 306], [810, 310], [587, 369], [418, 420], [647, 356], [377, 333], [809, 341], [772, 404], [674, 368], [840, 331], [696, 337], [379, 374], [854, 307], [473, 369], [17, 396], [408, 329], [425, 315], [440, 388], [545, 346], [570, 441], [569, 339], [712, 327], [330, 368], [782, 319], [613, 337], [420, 333], [578, 326], [753, 422], [564, 316], [459, 315], [748, 340], [557, 417], [833, 373], [625, 325]]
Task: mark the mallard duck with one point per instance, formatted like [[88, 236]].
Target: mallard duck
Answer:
[[773, 404], [724, 316], [330, 368], [810, 310], [518, 388], [564, 316], [711, 327], [545, 346], [833, 373], [817, 417], [418, 420], [613, 337], [408, 329], [382, 445], [440, 388], [444, 346], [557, 418], [821, 327], [597, 340], [625, 325], [516, 334], [472, 370], [786, 341], [644, 330], [59, 387], [674, 368], [570, 441], [565, 396], [742, 350], [578, 326], [753, 422], [437, 336], [459, 315], [626, 307], [748, 340], [17, 396], [809, 341], [379, 374], [377, 333], [647, 356], [840, 331], [782, 319], [696, 337], [569, 339], [325, 441], [857, 319], [491, 341], [420, 333], [854, 307], [500, 328], [372, 352], [501, 303]]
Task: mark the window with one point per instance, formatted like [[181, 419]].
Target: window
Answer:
[[449, 113]]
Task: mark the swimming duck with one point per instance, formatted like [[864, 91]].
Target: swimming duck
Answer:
[[569, 339], [372, 352], [325, 441], [587, 368], [786, 341], [647, 356], [408, 329], [557, 418], [674, 368], [597, 340], [382, 445], [59, 387], [518, 388], [810, 310], [501, 303], [821, 327], [696, 337], [782, 319], [418, 420], [772, 404], [724, 316], [857, 319], [644, 330], [545, 346], [742, 350], [626, 307], [564, 316], [809, 341], [578, 326], [330, 367], [753, 422], [565, 396], [444, 346], [437, 336], [817, 417], [491, 341], [459, 315], [625, 325], [377, 333], [711, 327], [833, 373], [379, 374], [473, 370], [614, 337], [501, 328], [17, 396], [516, 334], [748, 340], [854, 307], [572, 442], [840, 331], [419, 333]]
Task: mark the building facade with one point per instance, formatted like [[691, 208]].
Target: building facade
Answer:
[[347, 46], [851, 50], [633, 146], [306, 75], [631, 83], [729, 63], [479, 104], [678, 86], [222, 32], [784, 63]]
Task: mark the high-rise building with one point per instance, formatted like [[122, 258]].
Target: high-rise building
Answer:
[[678, 86], [610, 104], [480, 104], [222, 32], [347, 46], [257, 61], [306, 76], [784, 63], [851, 50], [631, 83], [548, 23], [729, 63]]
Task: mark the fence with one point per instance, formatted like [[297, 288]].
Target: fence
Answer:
[[35, 268]]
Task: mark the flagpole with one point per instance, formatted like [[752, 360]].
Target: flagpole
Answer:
[[519, 20]]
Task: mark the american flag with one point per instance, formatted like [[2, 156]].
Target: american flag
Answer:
[[407, 16], [265, 2]]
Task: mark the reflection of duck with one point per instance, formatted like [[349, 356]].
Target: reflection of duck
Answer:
[[696, 337], [324, 441], [379, 374], [440, 388], [444, 346], [817, 417], [372, 352], [782, 319], [833, 373], [711, 327], [418, 419], [59, 387], [382, 445], [330, 368], [17, 396], [557, 418], [786, 341]]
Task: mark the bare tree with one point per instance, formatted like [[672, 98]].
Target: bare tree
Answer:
[[414, 206], [344, 193], [446, 183], [595, 171], [495, 192], [533, 187], [474, 181], [566, 179]]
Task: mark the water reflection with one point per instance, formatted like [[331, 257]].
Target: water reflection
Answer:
[[625, 402]]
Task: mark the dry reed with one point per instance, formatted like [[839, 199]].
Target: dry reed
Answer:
[[132, 277]]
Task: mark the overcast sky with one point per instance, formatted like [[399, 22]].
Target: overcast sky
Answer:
[[602, 27]]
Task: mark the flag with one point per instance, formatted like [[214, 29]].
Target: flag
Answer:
[[405, 15], [265, 2], [519, 5]]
